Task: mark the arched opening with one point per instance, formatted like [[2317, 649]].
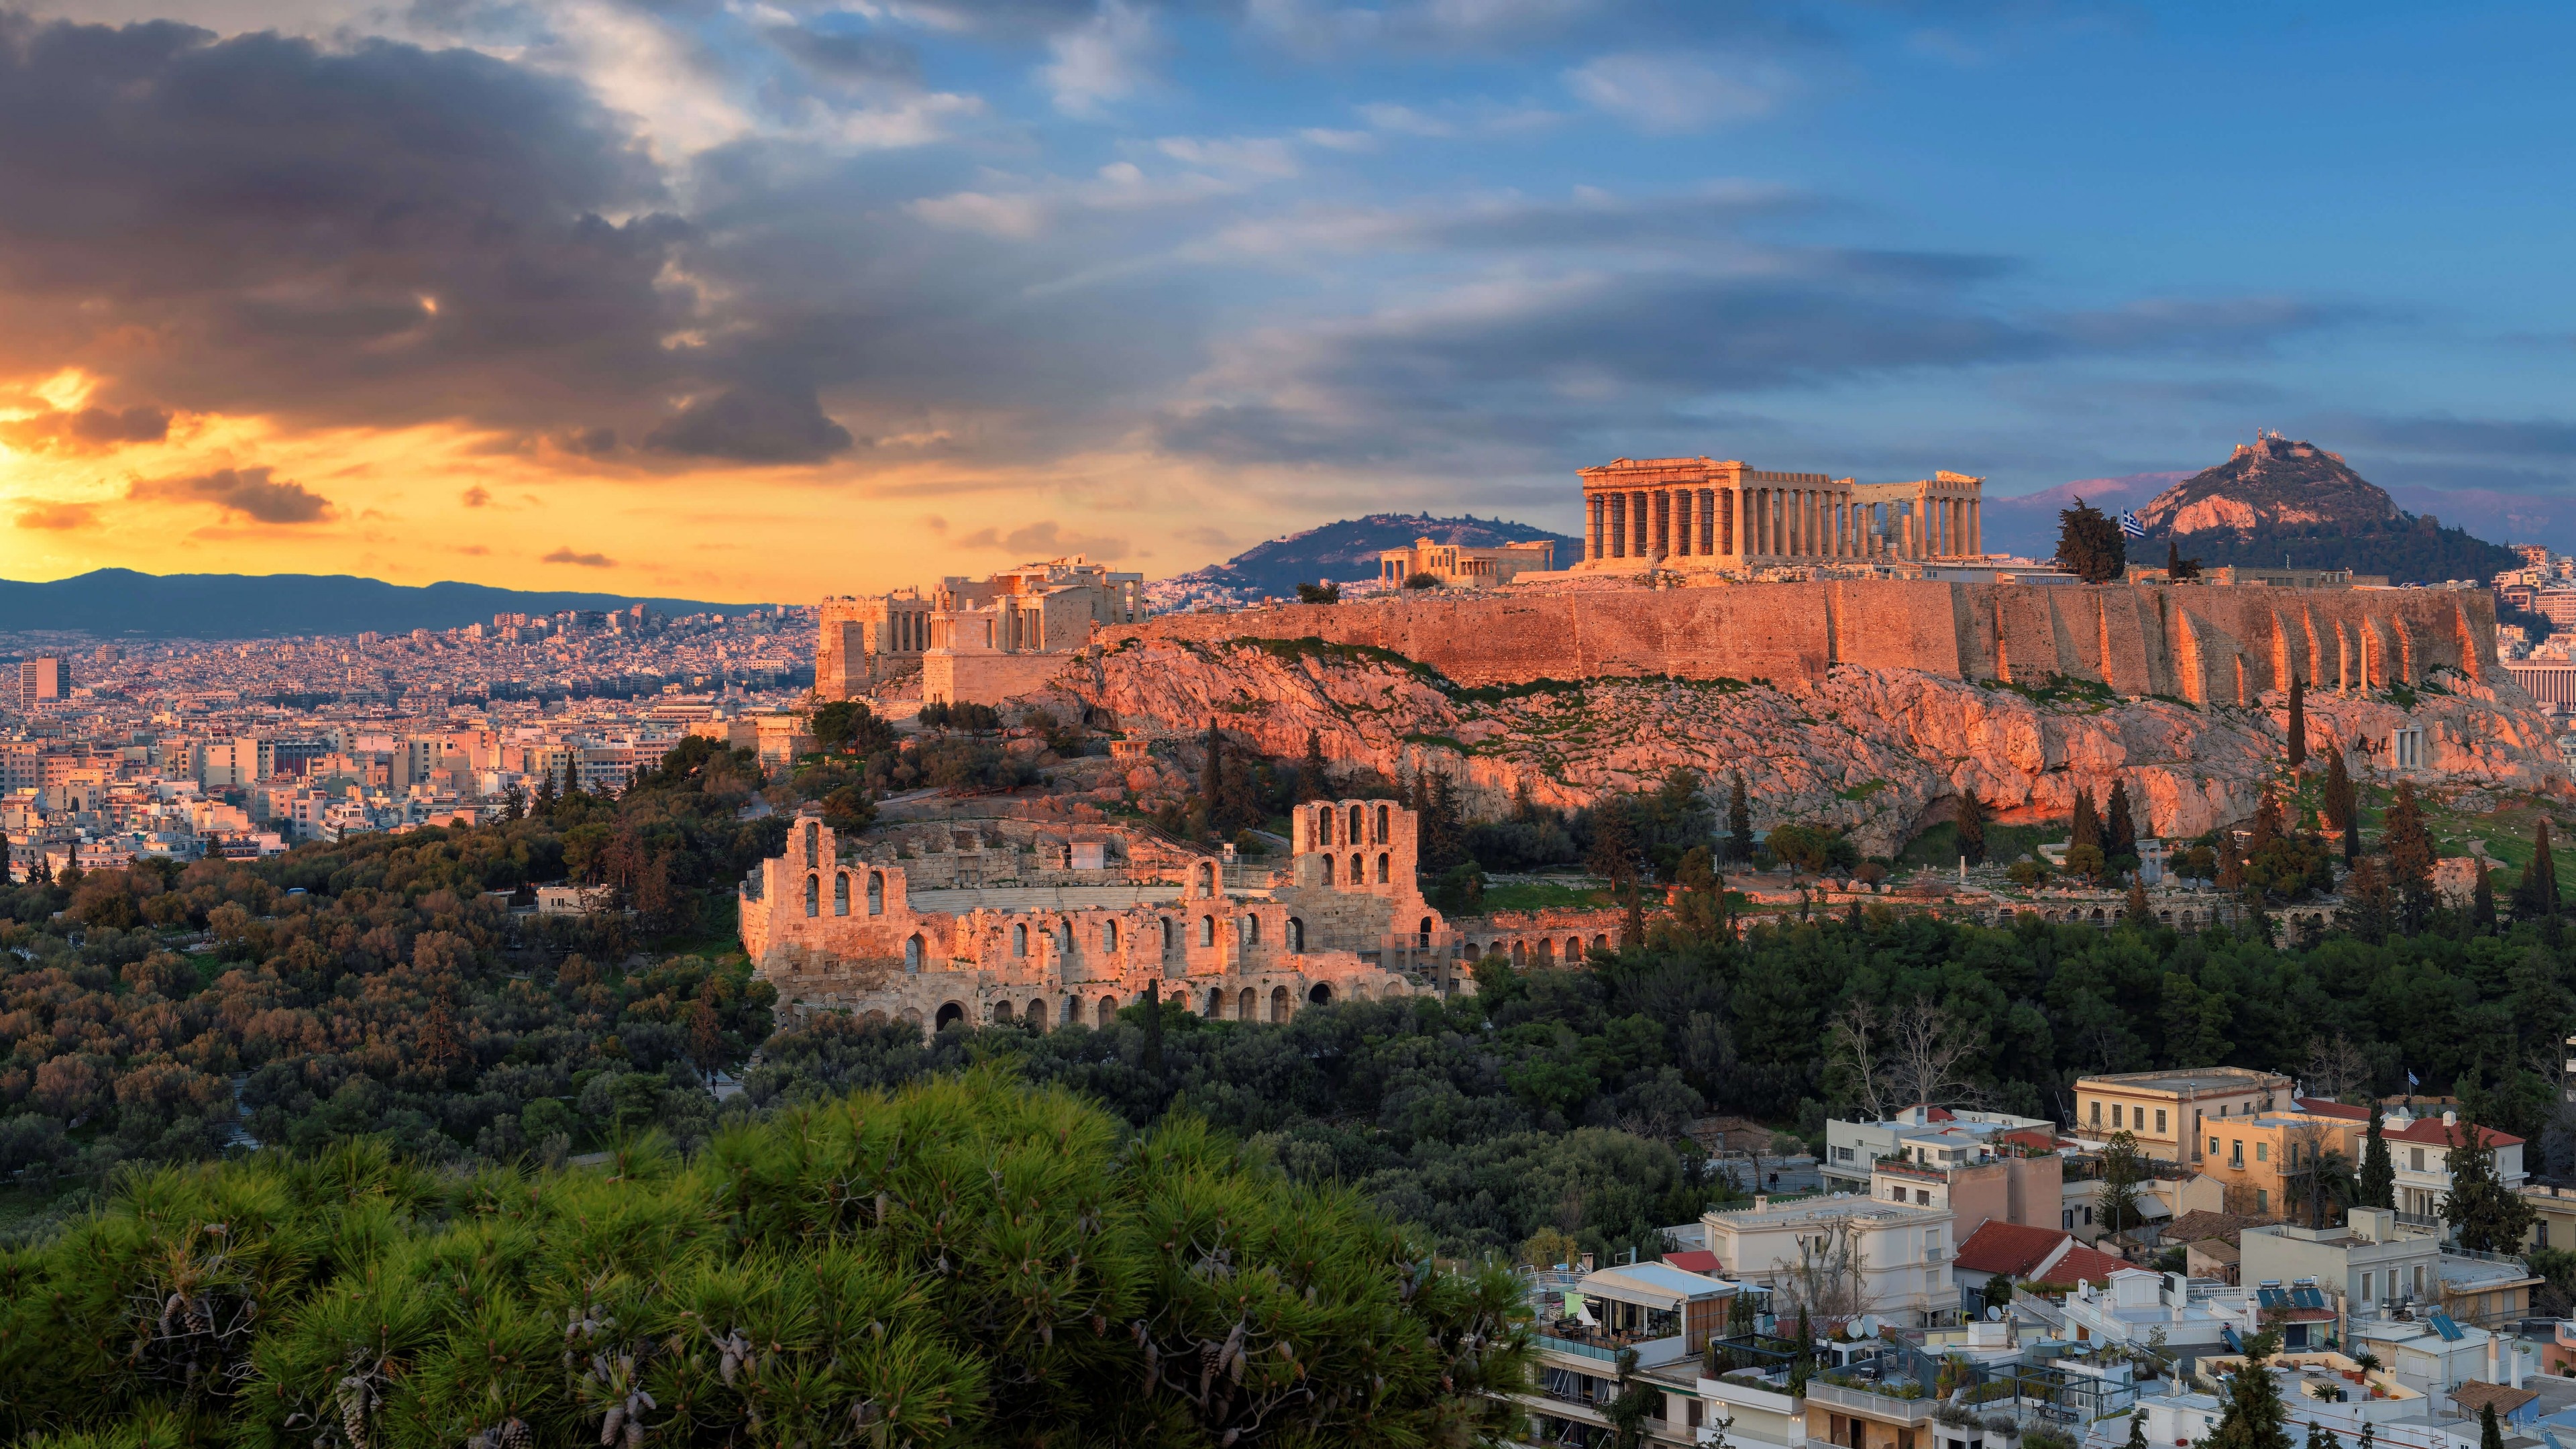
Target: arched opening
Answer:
[[1167, 933], [1020, 940], [912, 954], [1207, 878], [1359, 993], [1520, 954], [841, 893], [1573, 949], [1381, 867], [2097, 915], [1108, 1010], [1207, 930], [1424, 944], [1037, 1015], [1601, 943], [1328, 870], [1546, 952], [1323, 825], [813, 895], [1215, 1004], [1296, 934], [1109, 936], [1001, 1012], [1358, 872], [813, 842], [1278, 1003], [1243, 1007], [876, 893], [912, 1014], [1321, 994], [1064, 937], [1381, 825], [1353, 837], [1251, 931], [949, 1012], [872, 1018]]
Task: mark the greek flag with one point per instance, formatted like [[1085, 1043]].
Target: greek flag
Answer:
[[2412, 1081], [2130, 527]]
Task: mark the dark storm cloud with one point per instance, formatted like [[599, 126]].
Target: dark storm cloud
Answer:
[[748, 425], [378, 234], [249, 493]]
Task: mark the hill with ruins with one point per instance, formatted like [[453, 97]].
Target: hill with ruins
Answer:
[[2279, 497], [1344, 551]]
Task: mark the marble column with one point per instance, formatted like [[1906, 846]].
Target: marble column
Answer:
[[1592, 528]]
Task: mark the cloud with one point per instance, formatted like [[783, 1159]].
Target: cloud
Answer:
[[87, 430], [2536, 438], [1106, 58], [1045, 539], [584, 560], [752, 426], [249, 493], [477, 496], [1589, 220], [57, 516], [1668, 95]]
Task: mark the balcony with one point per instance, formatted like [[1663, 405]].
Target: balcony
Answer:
[[1886, 1408], [1564, 1337]]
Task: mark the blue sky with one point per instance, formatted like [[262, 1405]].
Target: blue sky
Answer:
[[1157, 279]]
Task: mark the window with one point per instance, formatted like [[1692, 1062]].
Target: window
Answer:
[[2160, 1121], [2236, 1152], [2088, 1217], [1019, 940], [1109, 935], [1381, 839], [1896, 1192], [841, 894], [2262, 1201], [2222, 1109], [2097, 1113], [1922, 1197], [2263, 1151], [876, 893], [814, 898], [2213, 1147], [1381, 868], [1842, 1154], [2540, 1233], [2365, 1288], [2419, 1280], [2115, 1114], [2415, 1159]]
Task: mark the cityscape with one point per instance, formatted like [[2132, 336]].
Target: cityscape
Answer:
[[1286, 724]]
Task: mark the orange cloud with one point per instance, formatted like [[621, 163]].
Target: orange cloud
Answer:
[[43, 515], [586, 560], [242, 493]]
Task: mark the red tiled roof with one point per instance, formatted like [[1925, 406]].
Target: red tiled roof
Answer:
[[2320, 1107], [2007, 1248], [1939, 1114], [2431, 1131], [1695, 1260], [2086, 1264], [2041, 1138]]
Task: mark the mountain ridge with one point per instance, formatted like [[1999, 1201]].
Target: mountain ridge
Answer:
[[123, 602], [1345, 551], [2286, 499]]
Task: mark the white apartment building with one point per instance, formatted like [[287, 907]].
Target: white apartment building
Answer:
[[1904, 1251]]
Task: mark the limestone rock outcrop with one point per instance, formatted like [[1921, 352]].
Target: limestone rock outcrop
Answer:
[[1879, 751]]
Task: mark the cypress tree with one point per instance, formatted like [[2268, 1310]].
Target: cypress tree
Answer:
[[2298, 730], [2536, 894], [2342, 803], [1972, 827], [2490, 1433], [2138, 1430], [2482, 910], [2231, 868], [1739, 823], [2087, 829], [2253, 1417], [2267, 823], [2138, 913], [2122, 836], [1312, 783], [2378, 1171]]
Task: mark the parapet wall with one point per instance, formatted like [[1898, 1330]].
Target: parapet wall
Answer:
[[2222, 645]]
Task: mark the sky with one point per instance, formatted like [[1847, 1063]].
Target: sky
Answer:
[[768, 299]]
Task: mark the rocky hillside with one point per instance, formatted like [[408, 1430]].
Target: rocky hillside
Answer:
[[2278, 497], [1882, 753], [1344, 552]]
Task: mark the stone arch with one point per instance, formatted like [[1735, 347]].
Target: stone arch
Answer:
[[1109, 936], [1296, 934], [1250, 929], [1352, 836], [1108, 1010], [1601, 943], [1328, 870], [1167, 933], [813, 895], [1243, 1006], [1546, 951], [1036, 1015], [1359, 871], [2097, 915], [913, 1014], [949, 1012], [1207, 877], [1321, 993], [1020, 939], [912, 953], [1382, 868], [813, 843], [876, 893], [1207, 930], [1064, 935], [1216, 1003], [1520, 953], [872, 1018], [1382, 817], [1573, 949], [1424, 932], [1323, 825], [840, 893], [1359, 993], [1001, 1012]]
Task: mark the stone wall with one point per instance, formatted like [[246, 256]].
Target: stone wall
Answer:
[[987, 678], [2208, 645]]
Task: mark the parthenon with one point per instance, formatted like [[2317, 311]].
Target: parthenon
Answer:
[[1642, 513]]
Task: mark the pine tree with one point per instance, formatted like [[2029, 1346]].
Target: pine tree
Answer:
[[2231, 867], [2089, 544], [2482, 907], [2342, 802], [2267, 823], [2253, 1417], [1739, 824], [2121, 836], [1972, 827], [2138, 913], [2536, 894], [2298, 730], [2087, 829], [2409, 847], [2378, 1170], [2488, 1216]]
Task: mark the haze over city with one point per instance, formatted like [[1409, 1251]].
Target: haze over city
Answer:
[[764, 301]]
